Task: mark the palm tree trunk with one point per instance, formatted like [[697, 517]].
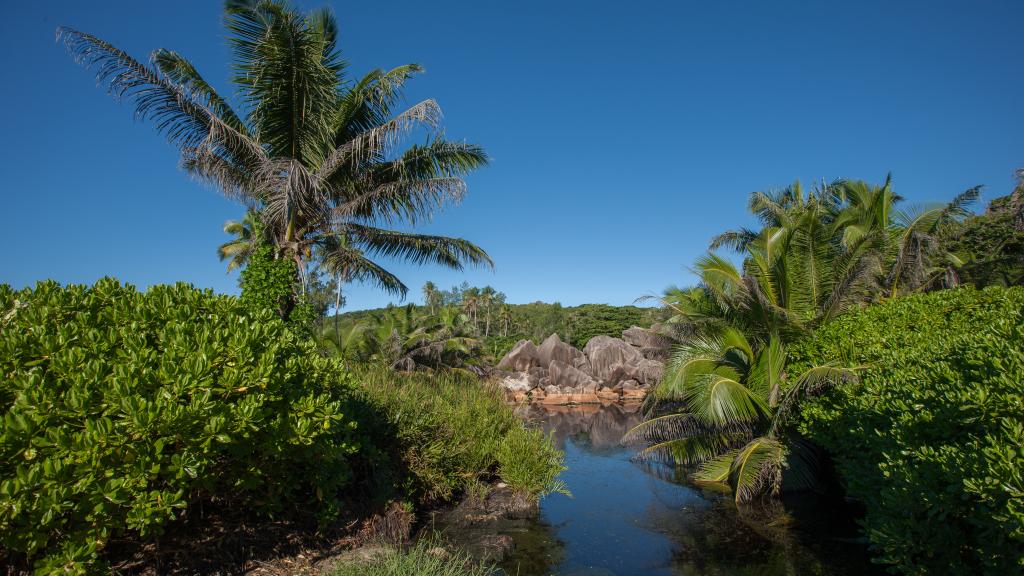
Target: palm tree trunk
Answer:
[[337, 312]]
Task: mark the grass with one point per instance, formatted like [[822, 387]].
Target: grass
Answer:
[[453, 433], [422, 559]]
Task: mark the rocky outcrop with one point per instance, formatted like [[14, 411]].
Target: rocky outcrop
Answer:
[[607, 369], [611, 358], [565, 376], [554, 349], [644, 338], [521, 358]]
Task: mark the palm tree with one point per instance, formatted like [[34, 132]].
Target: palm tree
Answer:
[[243, 244], [918, 258], [505, 319], [735, 399], [471, 305], [817, 254], [487, 299], [316, 153], [404, 338], [430, 294]]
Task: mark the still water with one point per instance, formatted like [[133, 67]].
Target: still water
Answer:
[[627, 517]]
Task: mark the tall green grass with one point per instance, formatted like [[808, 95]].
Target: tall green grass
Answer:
[[419, 560], [451, 432]]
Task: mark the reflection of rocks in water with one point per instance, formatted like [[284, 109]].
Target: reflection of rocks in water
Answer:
[[593, 426]]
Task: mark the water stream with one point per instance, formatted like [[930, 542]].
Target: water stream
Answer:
[[627, 517]]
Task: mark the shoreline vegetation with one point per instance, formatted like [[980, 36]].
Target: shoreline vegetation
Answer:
[[125, 416], [850, 344]]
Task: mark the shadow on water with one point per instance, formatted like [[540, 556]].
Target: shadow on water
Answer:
[[627, 517]]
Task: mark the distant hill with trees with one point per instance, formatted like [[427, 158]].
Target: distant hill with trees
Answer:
[[498, 325]]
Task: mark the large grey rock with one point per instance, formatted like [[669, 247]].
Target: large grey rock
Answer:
[[582, 363], [611, 358], [554, 349], [628, 385], [535, 375], [659, 354], [518, 382], [642, 337], [520, 358], [566, 376], [650, 372]]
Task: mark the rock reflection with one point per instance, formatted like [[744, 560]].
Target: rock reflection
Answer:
[[598, 428]]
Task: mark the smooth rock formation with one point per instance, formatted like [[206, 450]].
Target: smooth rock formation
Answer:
[[521, 358], [565, 376], [518, 382], [554, 349], [607, 369], [650, 372], [644, 338], [610, 358]]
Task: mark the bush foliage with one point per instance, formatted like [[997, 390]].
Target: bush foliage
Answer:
[[932, 437], [452, 434], [122, 408]]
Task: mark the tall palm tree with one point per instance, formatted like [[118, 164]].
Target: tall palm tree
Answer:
[[471, 305], [487, 298], [315, 152], [430, 294], [505, 319], [246, 239]]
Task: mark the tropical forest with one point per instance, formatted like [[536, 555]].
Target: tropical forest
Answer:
[[680, 290]]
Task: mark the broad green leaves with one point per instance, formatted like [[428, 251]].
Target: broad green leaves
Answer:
[[931, 439], [121, 409]]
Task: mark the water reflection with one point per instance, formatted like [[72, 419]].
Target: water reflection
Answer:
[[630, 518]]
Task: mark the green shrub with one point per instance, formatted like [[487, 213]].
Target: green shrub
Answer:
[[122, 408], [932, 437], [451, 432]]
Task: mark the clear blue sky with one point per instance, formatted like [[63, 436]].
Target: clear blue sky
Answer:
[[624, 134]]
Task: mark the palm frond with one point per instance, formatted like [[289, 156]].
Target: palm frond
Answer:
[[380, 139], [186, 122], [454, 253], [716, 469], [689, 450], [721, 400], [181, 72], [410, 201], [368, 104], [756, 469], [736, 240], [287, 75]]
